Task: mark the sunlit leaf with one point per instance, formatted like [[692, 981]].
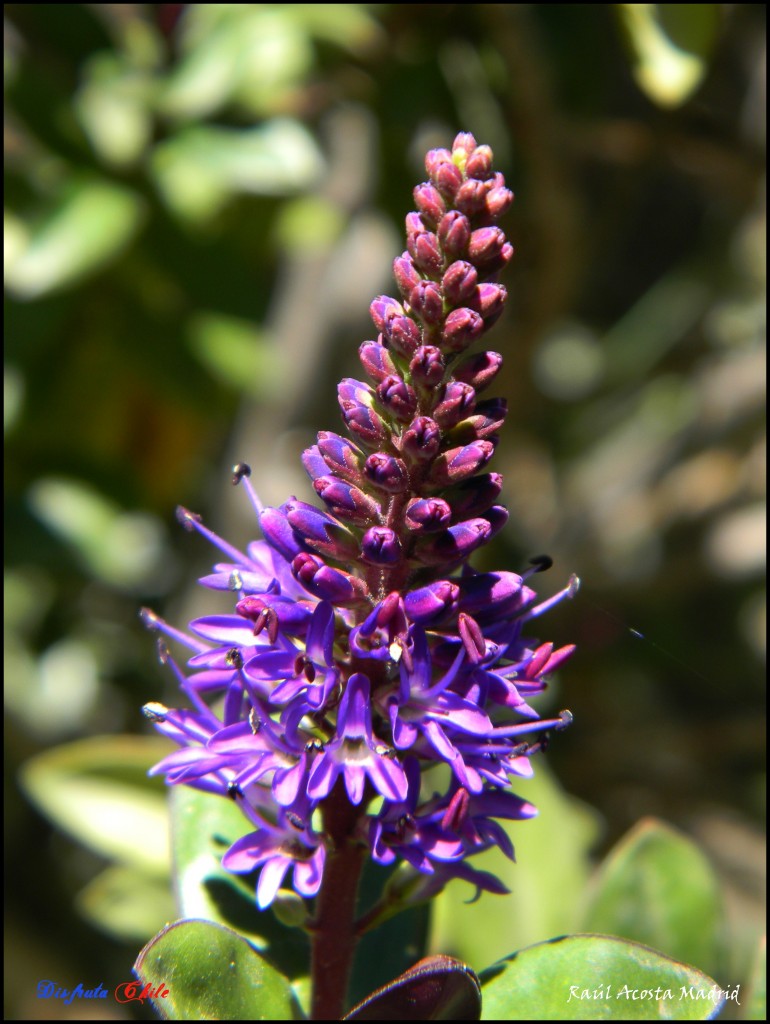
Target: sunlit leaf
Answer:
[[98, 791], [671, 44], [436, 988], [200, 168], [756, 999], [82, 231], [656, 887], [121, 548], [128, 904], [550, 873], [211, 973], [596, 977], [238, 352], [203, 827]]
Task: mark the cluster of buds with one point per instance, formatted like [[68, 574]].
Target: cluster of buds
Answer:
[[363, 649]]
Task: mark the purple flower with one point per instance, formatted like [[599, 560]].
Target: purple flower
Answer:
[[361, 649]]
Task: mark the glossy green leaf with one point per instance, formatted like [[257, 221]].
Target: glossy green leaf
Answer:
[[656, 887], [670, 44], [98, 791], [210, 973], [83, 231], [596, 977], [128, 904], [436, 988], [552, 846], [203, 827]]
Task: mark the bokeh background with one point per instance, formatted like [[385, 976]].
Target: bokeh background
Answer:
[[201, 201]]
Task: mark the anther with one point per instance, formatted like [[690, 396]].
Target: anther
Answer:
[[541, 563], [234, 658], [240, 470], [155, 711]]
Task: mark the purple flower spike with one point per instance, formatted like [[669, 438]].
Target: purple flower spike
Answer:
[[361, 648]]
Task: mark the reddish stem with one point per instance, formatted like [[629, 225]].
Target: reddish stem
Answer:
[[334, 930]]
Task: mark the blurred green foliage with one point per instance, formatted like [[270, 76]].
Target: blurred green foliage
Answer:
[[200, 203]]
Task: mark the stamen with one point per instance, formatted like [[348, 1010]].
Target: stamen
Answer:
[[192, 521]]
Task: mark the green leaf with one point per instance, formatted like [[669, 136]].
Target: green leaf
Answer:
[[85, 229], [210, 973], [127, 903], [670, 44], [98, 791], [203, 827], [596, 977], [238, 353], [199, 169], [552, 846], [756, 1001], [656, 887], [122, 548], [436, 988]]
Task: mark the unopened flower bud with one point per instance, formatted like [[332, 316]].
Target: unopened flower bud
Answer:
[[406, 274], [497, 517], [427, 303], [497, 202], [478, 370], [278, 532], [430, 203], [422, 439], [402, 334], [356, 401], [462, 327], [427, 366], [456, 402], [471, 197], [475, 496], [454, 544], [479, 163], [485, 422], [386, 472], [382, 309], [431, 603], [376, 360], [424, 250], [464, 144], [428, 514], [342, 457], [380, 546], [490, 300], [486, 245], [329, 584], [397, 397], [345, 501], [459, 464], [459, 283], [447, 178], [454, 233]]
